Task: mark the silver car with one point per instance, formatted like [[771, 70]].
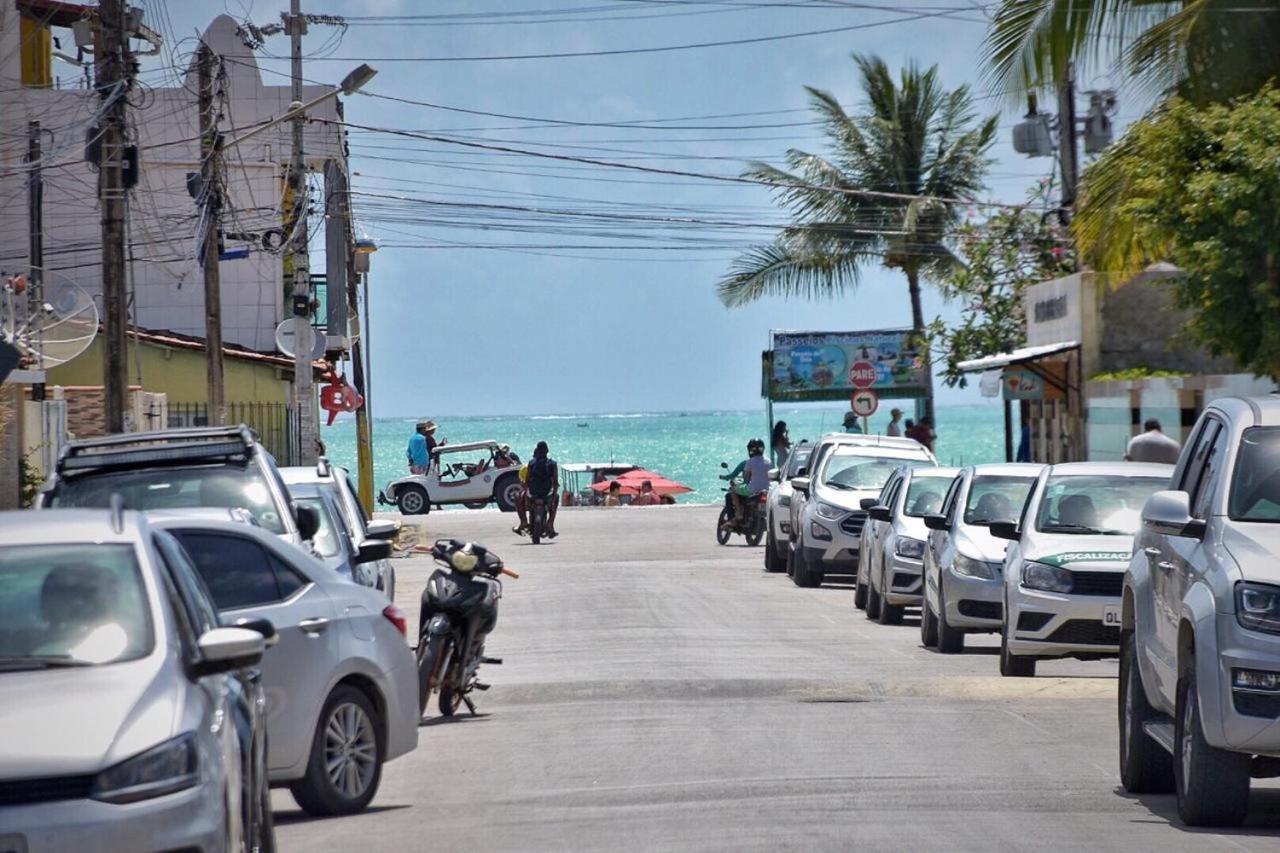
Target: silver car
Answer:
[[341, 664], [131, 720], [778, 506], [892, 550], [333, 542], [963, 577]]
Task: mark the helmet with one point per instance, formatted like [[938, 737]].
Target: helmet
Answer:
[[754, 445]]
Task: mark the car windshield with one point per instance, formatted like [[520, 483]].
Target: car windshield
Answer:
[[1105, 503], [859, 471], [213, 486], [924, 495], [325, 542], [1255, 485], [996, 498], [798, 459], [71, 605]]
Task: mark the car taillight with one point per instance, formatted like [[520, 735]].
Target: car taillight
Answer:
[[396, 617]]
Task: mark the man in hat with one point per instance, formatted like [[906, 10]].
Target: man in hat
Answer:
[[895, 423], [422, 447], [851, 423]]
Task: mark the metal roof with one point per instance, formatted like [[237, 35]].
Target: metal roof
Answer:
[[1018, 356]]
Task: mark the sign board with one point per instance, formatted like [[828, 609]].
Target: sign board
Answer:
[[816, 366], [1022, 384], [1054, 310], [864, 403]]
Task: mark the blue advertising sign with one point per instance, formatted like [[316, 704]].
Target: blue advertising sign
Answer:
[[815, 366]]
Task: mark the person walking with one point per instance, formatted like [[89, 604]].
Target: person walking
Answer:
[[1152, 445], [894, 428]]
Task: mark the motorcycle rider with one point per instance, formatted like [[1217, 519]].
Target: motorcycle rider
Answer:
[[544, 484], [755, 480]]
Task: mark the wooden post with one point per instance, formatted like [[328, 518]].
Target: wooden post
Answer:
[[211, 202]]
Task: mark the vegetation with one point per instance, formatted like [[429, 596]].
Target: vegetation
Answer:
[[885, 195], [1132, 373], [1196, 187], [1012, 249]]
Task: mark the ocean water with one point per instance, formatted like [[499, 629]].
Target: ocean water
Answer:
[[685, 446]]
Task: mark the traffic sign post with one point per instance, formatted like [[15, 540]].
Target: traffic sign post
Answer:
[[864, 403], [862, 374]]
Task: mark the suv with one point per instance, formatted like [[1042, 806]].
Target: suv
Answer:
[[826, 511], [212, 467], [778, 506], [1200, 632]]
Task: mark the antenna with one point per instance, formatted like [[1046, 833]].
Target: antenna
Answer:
[[50, 325]]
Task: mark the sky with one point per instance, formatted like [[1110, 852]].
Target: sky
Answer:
[[598, 317]]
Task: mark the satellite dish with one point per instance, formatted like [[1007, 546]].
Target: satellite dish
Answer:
[[311, 342], [48, 328]]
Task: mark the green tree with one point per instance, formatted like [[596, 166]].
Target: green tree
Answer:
[[1196, 186], [1012, 249], [887, 194], [1204, 50]]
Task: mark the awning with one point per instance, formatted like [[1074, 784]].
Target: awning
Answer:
[[1019, 356]]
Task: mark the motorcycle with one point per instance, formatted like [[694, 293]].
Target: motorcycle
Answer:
[[538, 515], [459, 609], [752, 525]]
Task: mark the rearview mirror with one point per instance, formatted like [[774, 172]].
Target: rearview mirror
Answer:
[[868, 503], [308, 521], [880, 512], [382, 528], [263, 627], [1005, 530], [228, 649], [372, 550], [800, 484], [936, 521], [1170, 513]]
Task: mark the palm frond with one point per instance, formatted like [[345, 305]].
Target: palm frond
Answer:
[[789, 270]]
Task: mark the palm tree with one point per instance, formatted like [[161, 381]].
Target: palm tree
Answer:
[[1205, 50], [888, 194]]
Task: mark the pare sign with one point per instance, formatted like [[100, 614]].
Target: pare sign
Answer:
[[1022, 384]]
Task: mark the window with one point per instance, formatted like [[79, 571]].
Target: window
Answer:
[[953, 496], [194, 595], [326, 541], [924, 496], [1255, 483], [798, 459], [993, 498], [238, 571], [858, 471], [1209, 458], [887, 493], [1092, 504]]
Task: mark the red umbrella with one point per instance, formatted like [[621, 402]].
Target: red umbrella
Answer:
[[623, 487], [661, 485]]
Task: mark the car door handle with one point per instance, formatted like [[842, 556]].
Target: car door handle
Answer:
[[314, 625], [1164, 566], [1151, 552]]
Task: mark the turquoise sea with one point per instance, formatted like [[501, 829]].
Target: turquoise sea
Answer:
[[685, 446]]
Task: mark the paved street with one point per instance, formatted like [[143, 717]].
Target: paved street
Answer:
[[662, 693]]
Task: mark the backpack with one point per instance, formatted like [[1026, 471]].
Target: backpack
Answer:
[[542, 476]]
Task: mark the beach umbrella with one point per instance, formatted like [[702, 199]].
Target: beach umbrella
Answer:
[[661, 485], [624, 487]]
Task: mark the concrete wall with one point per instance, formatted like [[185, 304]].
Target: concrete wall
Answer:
[[1141, 328]]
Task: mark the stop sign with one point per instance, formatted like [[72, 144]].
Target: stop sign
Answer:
[[862, 374]]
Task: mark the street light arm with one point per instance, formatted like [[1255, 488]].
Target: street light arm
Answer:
[[350, 85]]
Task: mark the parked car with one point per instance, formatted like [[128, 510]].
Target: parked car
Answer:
[[778, 506], [1064, 566], [1200, 631], [963, 562], [890, 557], [360, 528], [341, 663], [332, 544], [826, 511], [213, 467], [494, 477], [133, 718]]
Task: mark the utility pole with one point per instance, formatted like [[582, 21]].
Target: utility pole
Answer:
[[211, 194], [111, 64], [304, 392], [1068, 153], [35, 241]]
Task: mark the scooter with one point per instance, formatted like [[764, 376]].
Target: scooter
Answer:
[[752, 525], [459, 609]]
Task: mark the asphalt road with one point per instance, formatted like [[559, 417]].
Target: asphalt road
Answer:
[[660, 692]]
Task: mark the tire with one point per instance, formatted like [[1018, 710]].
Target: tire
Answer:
[[860, 595], [772, 562], [1212, 783], [801, 574], [1014, 666], [1145, 767], [791, 560], [537, 518], [264, 839], [412, 500], [890, 614], [449, 701], [348, 726], [475, 504], [928, 626], [430, 653], [757, 530], [505, 492], [874, 601], [950, 641], [722, 532]]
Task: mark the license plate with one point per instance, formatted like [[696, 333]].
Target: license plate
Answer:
[[13, 844], [1111, 616]]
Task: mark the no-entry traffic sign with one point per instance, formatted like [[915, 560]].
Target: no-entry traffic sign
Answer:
[[864, 403], [862, 374]]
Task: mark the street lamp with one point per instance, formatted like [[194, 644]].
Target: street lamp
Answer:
[[349, 86]]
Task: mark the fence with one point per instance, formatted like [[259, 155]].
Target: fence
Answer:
[[275, 423]]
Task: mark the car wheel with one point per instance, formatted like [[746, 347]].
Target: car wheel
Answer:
[[1212, 783], [346, 757], [860, 594], [950, 641], [1145, 767], [412, 500], [890, 614], [505, 492], [1011, 665], [772, 562], [874, 602], [928, 626], [801, 573], [475, 504]]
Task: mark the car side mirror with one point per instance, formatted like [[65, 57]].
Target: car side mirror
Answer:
[[1005, 530], [775, 475], [868, 503], [936, 521], [1170, 513], [228, 649], [308, 522], [803, 472], [263, 627], [880, 512], [372, 550], [800, 484], [382, 528]]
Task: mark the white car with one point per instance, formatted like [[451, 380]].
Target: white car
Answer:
[[890, 559], [826, 511], [963, 562], [341, 683], [474, 475], [1064, 568], [778, 506]]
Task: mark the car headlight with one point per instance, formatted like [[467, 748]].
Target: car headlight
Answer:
[[164, 769], [784, 500], [1047, 578], [830, 512], [817, 531], [1258, 606], [975, 568], [908, 547]]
